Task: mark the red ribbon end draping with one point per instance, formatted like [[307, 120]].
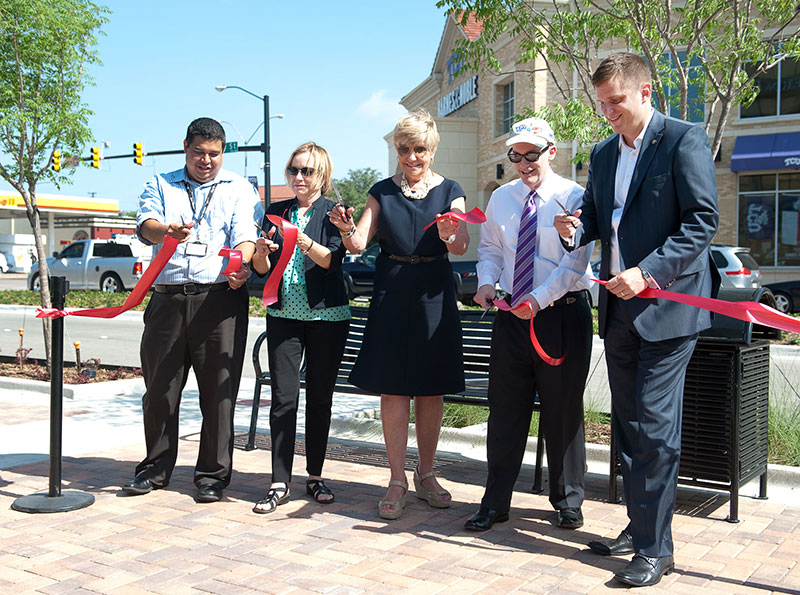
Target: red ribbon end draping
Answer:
[[553, 361], [134, 298], [234, 259], [289, 233], [473, 216], [748, 311]]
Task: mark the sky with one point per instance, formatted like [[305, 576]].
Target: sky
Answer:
[[335, 70]]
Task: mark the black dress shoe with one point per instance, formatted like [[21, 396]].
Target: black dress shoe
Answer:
[[209, 493], [644, 572], [620, 546], [570, 518], [484, 519], [140, 485]]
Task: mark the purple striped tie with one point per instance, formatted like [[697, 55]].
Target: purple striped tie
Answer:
[[526, 250]]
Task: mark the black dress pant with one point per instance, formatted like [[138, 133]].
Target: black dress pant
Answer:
[[647, 380], [206, 332], [516, 373], [323, 344]]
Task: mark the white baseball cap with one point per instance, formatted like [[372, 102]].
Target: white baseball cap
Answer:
[[534, 131]]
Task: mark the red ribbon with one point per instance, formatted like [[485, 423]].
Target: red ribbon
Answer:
[[234, 259], [748, 311], [474, 216], [289, 233], [137, 293], [553, 361]]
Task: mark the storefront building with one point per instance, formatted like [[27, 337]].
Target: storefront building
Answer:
[[758, 168]]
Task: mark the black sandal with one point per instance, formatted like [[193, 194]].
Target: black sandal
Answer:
[[274, 498], [316, 488]]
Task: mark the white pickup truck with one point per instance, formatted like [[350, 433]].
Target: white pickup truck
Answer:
[[94, 264]]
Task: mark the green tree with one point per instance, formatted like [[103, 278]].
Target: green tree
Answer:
[[45, 51], [354, 188], [718, 46]]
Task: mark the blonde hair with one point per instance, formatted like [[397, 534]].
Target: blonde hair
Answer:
[[416, 128], [323, 166]]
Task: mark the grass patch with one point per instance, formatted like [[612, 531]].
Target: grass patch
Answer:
[[784, 435], [88, 298]]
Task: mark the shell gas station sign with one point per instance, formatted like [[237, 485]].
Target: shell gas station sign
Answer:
[[74, 205]]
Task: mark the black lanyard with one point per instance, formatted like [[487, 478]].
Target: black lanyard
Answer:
[[198, 218]]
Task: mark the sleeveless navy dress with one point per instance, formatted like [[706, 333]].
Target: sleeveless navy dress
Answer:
[[412, 342]]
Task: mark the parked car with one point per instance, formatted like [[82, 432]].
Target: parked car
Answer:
[[787, 295], [94, 264], [6, 263], [737, 267], [359, 275], [594, 290]]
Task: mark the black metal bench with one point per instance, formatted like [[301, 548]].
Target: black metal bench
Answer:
[[477, 334]]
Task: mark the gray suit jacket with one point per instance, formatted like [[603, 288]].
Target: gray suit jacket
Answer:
[[669, 219]]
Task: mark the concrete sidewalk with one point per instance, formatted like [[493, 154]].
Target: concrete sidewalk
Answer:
[[166, 543]]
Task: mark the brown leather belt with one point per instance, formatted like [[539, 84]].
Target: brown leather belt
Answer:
[[189, 288], [417, 259]]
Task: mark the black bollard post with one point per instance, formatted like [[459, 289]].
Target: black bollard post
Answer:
[[55, 500]]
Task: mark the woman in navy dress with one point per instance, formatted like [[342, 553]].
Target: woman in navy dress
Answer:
[[412, 343]]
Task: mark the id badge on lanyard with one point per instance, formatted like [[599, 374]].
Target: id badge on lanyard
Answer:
[[198, 248]]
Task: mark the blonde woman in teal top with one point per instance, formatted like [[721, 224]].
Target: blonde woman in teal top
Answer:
[[311, 317]]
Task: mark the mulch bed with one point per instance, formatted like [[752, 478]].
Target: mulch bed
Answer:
[[33, 370]]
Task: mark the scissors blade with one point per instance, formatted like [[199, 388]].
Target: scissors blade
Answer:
[[563, 208], [345, 218], [485, 312]]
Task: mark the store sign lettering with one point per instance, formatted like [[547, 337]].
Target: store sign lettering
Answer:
[[461, 95], [790, 161]]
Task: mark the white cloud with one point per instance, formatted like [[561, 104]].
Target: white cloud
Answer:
[[380, 107]]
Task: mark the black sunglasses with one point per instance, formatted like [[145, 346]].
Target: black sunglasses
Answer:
[[306, 171], [419, 151], [530, 156]]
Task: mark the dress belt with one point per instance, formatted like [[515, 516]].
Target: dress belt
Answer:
[[189, 288], [417, 259], [572, 297], [566, 299]]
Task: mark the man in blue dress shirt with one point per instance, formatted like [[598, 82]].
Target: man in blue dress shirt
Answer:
[[197, 317]]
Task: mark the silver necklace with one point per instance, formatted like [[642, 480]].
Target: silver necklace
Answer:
[[405, 188]]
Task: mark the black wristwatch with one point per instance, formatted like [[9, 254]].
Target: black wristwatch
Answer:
[[645, 275]]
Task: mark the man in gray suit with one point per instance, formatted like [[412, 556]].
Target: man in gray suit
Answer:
[[651, 198]]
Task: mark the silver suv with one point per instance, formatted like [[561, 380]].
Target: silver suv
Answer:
[[736, 266]]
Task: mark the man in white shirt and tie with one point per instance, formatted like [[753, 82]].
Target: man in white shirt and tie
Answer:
[[521, 250]]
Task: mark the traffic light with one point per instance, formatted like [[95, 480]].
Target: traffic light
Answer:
[[96, 157], [56, 160], [138, 154]]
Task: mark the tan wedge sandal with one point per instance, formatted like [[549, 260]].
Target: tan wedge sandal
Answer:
[[435, 499], [397, 505]]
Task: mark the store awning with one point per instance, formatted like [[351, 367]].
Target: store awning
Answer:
[[766, 151]]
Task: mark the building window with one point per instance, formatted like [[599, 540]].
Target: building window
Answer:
[[769, 209], [779, 92], [505, 108]]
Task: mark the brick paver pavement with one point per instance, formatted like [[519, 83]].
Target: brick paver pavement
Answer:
[[164, 542]]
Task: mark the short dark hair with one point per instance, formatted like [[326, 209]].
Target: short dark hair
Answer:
[[208, 128], [630, 67]]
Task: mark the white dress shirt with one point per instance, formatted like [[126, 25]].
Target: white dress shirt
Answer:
[[555, 270], [628, 156]]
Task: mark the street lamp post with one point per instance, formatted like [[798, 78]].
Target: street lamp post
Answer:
[[246, 141], [265, 146]]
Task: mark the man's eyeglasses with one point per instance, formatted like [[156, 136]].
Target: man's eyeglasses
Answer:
[[418, 151], [530, 156], [306, 171]]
